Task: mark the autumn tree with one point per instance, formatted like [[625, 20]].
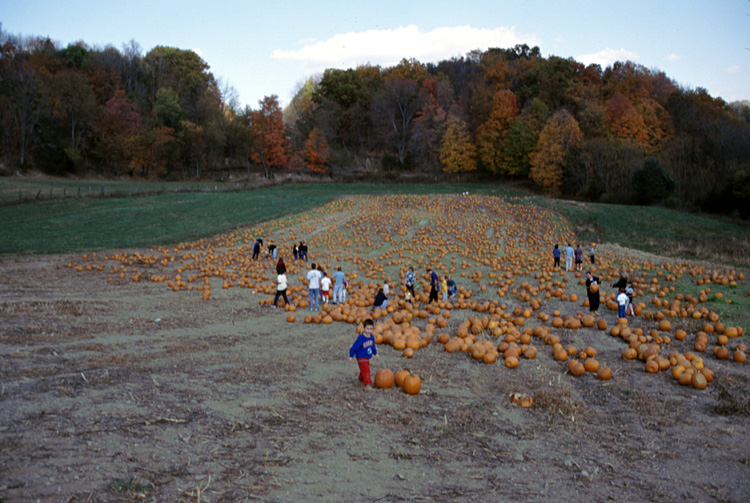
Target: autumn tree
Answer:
[[492, 135], [270, 147], [457, 153], [396, 107], [559, 137], [625, 121], [120, 125], [316, 152]]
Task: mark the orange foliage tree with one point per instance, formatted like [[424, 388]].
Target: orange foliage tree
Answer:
[[270, 148], [457, 152], [316, 151], [560, 135], [625, 121]]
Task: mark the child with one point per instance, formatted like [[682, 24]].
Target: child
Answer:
[[364, 348], [629, 292], [407, 296], [325, 287], [343, 291], [444, 288], [622, 302]]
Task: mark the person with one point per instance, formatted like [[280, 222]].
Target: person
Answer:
[[408, 297], [386, 288], [325, 288], [295, 251], [556, 256], [444, 288], [592, 253], [256, 248], [622, 282], [630, 292], [622, 302], [380, 299], [280, 266], [303, 251], [338, 287], [592, 290], [452, 288], [343, 292], [579, 257], [363, 349], [313, 287], [411, 277], [272, 251], [569, 254], [433, 285], [281, 285]]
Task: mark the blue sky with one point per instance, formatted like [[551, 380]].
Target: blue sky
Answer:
[[265, 48]]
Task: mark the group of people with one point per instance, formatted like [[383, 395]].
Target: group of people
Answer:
[[573, 256], [299, 251], [319, 287], [625, 293], [446, 286]]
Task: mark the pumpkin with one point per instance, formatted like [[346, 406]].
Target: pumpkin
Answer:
[[399, 377], [291, 318], [511, 362], [384, 378], [605, 373], [699, 381], [412, 384]]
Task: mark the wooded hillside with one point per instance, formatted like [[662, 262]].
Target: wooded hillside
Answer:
[[625, 133]]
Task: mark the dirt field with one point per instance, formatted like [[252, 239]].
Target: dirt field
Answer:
[[131, 392]]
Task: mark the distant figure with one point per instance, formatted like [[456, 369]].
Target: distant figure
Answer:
[[380, 300], [433, 285], [303, 251], [622, 303], [313, 288], [630, 292], [338, 287], [451, 286], [569, 254], [592, 253], [256, 248], [280, 289], [592, 290], [411, 277], [325, 288], [295, 251], [280, 266], [579, 258], [556, 256]]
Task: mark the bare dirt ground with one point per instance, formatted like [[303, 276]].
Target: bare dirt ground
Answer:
[[134, 393]]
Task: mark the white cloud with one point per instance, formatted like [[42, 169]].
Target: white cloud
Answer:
[[607, 57], [674, 57], [388, 47], [198, 51], [733, 69]]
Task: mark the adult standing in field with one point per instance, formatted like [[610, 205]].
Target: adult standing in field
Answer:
[[281, 285], [579, 257], [338, 287], [411, 277], [433, 285], [556, 256], [280, 266], [569, 255], [295, 251], [303, 251], [256, 248], [592, 290], [592, 253], [313, 288]]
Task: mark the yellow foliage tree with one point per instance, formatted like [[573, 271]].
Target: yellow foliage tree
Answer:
[[457, 152], [559, 136]]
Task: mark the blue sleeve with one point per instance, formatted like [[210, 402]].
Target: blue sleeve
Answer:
[[356, 346]]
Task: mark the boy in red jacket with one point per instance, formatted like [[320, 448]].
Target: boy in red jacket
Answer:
[[364, 349]]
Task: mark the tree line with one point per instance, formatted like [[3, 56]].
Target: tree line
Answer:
[[621, 134]]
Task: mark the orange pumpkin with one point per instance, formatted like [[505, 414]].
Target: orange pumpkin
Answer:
[[412, 384], [384, 378]]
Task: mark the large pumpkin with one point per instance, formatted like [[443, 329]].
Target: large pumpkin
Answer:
[[384, 378], [412, 384]]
